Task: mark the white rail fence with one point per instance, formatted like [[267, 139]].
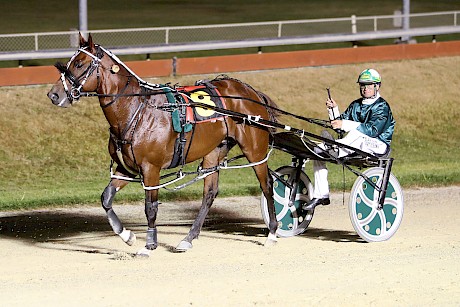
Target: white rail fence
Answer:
[[227, 36]]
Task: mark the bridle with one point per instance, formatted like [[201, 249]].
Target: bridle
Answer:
[[77, 83], [75, 91]]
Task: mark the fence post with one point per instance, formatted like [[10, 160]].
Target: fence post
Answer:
[[36, 42], [406, 19], [174, 66], [353, 29], [353, 24], [83, 16]]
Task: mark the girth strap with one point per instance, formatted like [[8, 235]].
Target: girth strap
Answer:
[[179, 151], [179, 124]]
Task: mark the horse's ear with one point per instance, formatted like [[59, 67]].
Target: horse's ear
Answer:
[[82, 40], [90, 42]]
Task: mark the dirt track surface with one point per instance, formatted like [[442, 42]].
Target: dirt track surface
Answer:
[[70, 257]]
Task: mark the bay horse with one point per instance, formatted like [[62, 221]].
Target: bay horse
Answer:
[[142, 139]]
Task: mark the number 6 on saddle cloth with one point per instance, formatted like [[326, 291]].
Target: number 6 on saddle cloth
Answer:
[[185, 116]]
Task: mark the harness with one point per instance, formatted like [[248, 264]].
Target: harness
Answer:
[[178, 102], [179, 125], [74, 93], [124, 140]]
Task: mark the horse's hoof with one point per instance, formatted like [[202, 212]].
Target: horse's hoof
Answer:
[[184, 246], [271, 240], [132, 239], [128, 237], [143, 253]]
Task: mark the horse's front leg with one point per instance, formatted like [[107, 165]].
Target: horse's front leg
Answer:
[[106, 200], [151, 211]]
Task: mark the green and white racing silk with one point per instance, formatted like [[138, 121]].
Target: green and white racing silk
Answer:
[[371, 117]]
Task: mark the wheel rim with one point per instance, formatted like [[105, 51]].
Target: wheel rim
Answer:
[[372, 224], [292, 220]]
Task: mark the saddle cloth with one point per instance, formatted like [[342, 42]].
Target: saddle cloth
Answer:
[[185, 116], [201, 94]]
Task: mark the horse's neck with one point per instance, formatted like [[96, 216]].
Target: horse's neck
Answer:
[[120, 110], [128, 111]]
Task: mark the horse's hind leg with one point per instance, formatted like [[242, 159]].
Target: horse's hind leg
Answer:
[[251, 143], [210, 191], [209, 194], [106, 199], [266, 184]]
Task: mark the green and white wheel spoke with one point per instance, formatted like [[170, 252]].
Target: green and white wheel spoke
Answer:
[[373, 224], [292, 220], [284, 202]]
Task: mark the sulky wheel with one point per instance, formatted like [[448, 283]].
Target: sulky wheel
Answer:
[[292, 220], [373, 224]]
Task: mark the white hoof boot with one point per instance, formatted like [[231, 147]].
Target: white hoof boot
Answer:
[[271, 240], [143, 253], [184, 246], [128, 236]]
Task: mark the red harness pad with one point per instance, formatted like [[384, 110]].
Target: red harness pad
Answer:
[[205, 95]]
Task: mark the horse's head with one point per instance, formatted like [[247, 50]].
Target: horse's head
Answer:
[[78, 75]]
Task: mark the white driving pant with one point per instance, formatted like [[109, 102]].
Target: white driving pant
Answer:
[[355, 139]]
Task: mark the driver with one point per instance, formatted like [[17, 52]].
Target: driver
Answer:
[[369, 125]]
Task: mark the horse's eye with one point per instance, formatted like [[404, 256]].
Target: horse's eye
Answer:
[[78, 64]]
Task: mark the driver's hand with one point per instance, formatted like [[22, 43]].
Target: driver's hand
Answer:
[[336, 124], [330, 103]]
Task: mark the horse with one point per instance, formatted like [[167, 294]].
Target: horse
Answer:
[[142, 140]]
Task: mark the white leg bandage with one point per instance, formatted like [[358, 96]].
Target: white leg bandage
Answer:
[[321, 189], [124, 235]]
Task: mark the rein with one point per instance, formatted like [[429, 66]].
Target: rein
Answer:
[[316, 121], [75, 93], [320, 122]]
